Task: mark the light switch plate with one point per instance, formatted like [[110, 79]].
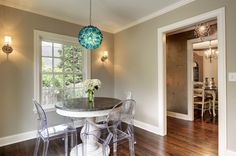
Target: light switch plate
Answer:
[[232, 76]]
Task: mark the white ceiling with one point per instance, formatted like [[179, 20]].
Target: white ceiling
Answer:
[[109, 15]]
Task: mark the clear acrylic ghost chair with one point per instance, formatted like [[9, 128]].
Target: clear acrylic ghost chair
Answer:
[[50, 133], [117, 128]]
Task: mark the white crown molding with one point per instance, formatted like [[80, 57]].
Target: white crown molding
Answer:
[[155, 14], [71, 20]]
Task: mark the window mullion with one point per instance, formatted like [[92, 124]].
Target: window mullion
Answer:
[[63, 71], [41, 72], [73, 52], [53, 75]]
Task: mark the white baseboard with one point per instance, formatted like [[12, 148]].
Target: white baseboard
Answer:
[[147, 127], [17, 138], [179, 116], [231, 153], [26, 136]]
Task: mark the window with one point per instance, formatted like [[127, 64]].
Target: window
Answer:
[[60, 65]]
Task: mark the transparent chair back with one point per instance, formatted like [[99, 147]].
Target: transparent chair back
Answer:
[[48, 133], [42, 120], [120, 124]]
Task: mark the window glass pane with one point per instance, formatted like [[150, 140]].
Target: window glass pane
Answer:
[[47, 81], [68, 58], [78, 78], [68, 66], [78, 65], [58, 50], [47, 89], [69, 80], [46, 48], [78, 92], [58, 81], [62, 71], [58, 65], [69, 93], [78, 59], [68, 52], [58, 95], [46, 64], [47, 96]]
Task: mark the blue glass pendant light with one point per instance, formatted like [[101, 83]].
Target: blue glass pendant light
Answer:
[[90, 36]]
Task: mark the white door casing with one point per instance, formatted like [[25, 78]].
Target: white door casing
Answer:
[[219, 14]]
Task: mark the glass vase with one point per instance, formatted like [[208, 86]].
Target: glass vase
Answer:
[[90, 96]]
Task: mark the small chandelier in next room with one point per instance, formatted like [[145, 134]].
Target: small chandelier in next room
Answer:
[[90, 36], [211, 53]]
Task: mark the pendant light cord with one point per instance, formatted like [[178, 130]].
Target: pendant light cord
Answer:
[[90, 12]]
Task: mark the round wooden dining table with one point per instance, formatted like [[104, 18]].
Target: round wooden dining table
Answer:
[[82, 108]]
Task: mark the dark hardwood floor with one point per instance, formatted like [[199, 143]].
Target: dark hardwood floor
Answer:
[[198, 138]]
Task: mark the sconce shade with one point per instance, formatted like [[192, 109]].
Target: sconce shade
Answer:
[[105, 53], [90, 37], [7, 40]]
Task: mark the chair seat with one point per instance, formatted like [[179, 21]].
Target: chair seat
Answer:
[[57, 130], [199, 100], [117, 128], [121, 135], [48, 133]]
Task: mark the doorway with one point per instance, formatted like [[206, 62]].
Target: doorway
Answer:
[[219, 14], [203, 69]]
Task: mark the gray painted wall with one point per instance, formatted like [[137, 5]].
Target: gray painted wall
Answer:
[[136, 60], [17, 73]]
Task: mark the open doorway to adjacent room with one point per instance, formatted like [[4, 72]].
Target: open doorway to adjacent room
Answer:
[[189, 65], [192, 72]]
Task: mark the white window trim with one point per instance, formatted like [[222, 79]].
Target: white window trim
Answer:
[[38, 37]]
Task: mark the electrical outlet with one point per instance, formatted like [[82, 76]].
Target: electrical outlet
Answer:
[[232, 76]]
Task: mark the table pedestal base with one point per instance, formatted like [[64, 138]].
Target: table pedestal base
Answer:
[[97, 152]]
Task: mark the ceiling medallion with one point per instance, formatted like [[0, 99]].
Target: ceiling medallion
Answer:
[[90, 36], [202, 30]]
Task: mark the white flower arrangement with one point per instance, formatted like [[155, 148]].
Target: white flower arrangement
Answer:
[[91, 85]]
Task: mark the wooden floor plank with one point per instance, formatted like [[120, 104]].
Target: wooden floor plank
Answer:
[[185, 138]]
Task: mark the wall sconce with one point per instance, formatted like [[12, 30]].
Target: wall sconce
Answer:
[[7, 45], [105, 56]]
